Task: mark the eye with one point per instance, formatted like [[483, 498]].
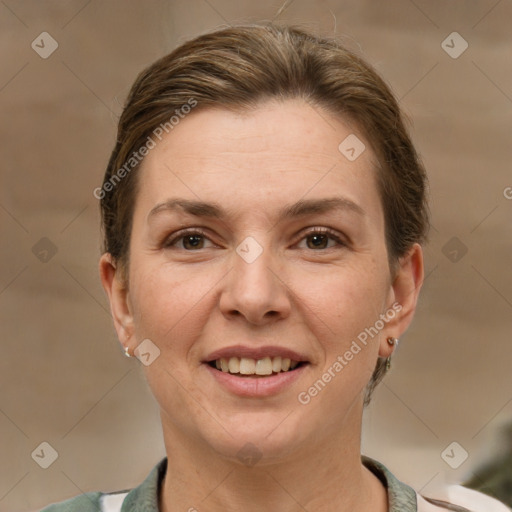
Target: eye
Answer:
[[320, 237], [190, 239], [194, 239]]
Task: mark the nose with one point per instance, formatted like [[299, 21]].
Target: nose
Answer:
[[255, 289]]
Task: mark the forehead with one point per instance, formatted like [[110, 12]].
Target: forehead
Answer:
[[259, 160]]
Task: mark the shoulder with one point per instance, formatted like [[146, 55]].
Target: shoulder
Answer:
[[402, 498], [91, 501], [459, 498], [143, 497], [88, 502]]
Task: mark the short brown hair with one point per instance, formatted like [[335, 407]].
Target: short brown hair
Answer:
[[241, 66]]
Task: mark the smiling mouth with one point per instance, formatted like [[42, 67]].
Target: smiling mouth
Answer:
[[248, 367]]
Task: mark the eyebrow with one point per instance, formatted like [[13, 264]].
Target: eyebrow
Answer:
[[298, 209]]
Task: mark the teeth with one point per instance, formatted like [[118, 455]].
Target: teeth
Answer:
[[234, 365], [264, 366], [249, 366]]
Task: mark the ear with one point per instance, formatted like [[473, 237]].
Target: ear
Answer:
[[403, 296], [118, 296]]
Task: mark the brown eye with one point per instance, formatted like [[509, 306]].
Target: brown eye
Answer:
[[318, 239], [188, 241], [193, 241]]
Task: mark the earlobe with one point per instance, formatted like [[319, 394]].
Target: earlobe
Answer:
[[406, 287], [117, 293]]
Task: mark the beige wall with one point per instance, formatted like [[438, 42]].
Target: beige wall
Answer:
[[63, 378]]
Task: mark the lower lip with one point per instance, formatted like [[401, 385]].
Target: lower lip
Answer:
[[256, 386]]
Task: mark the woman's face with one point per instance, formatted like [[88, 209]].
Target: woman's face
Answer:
[[254, 237]]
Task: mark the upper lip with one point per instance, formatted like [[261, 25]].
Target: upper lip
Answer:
[[255, 353]]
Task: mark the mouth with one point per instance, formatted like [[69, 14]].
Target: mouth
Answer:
[[249, 367], [256, 372]]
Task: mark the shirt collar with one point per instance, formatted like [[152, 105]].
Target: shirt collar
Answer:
[[401, 497], [144, 498]]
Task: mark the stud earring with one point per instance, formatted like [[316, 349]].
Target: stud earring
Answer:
[[127, 352], [392, 341]]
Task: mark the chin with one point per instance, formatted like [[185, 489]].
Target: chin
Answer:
[[257, 438]]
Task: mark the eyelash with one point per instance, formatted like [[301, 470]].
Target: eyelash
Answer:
[[168, 243]]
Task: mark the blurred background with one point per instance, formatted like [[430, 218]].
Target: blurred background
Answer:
[[66, 69]]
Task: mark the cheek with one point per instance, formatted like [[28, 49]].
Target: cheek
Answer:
[[344, 309], [341, 319], [171, 309], [170, 305], [347, 299]]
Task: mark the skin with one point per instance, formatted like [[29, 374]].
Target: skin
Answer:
[[190, 300]]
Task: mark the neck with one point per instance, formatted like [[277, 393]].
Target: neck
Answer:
[[321, 475]]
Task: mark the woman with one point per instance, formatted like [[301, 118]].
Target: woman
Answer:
[[264, 212]]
